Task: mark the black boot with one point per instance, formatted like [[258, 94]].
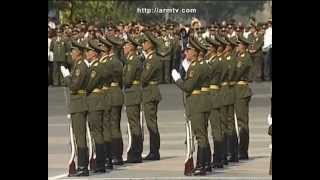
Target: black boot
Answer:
[[233, 146], [117, 150], [134, 155], [244, 144], [218, 156], [100, 159], [201, 169], [107, 146], [208, 159], [154, 147], [225, 149], [83, 160]]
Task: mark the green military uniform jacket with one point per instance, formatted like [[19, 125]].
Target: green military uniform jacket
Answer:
[[225, 77], [215, 73], [194, 80], [151, 73], [131, 80], [257, 45], [59, 49], [77, 83], [117, 98], [205, 94], [165, 49], [106, 67], [232, 74], [243, 66], [95, 100]]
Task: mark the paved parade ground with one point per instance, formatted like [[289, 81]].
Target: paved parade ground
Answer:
[[172, 133]]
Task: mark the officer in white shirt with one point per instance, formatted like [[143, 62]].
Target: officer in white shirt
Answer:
[[267, 47]]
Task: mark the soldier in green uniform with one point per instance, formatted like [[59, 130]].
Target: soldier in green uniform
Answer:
[[205, 94], [59, 49], [165, 51], [117, 100], [194, 103], [151, 96], [95, 101], [77, 82], [107, 79], [255, 50], [225, 95], [132, 98], [243, 95], [214, 117]]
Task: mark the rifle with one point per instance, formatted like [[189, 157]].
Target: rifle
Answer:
[[72, 165], [188, 163], [92, 153]]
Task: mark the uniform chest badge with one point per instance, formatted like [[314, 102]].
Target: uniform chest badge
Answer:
[[103, 60], [96, 64], [242, 55], [93, 74], [150, 57], [229, 57], [191, 73], [131, 57], [220, 59], [193, 64], [77, 72], [201, 62], [79, 62], [148, 65], [239, 64]]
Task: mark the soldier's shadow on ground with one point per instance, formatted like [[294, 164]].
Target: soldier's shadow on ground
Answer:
[[134, 164]]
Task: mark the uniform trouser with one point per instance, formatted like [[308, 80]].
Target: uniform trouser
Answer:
[[242, 112], [257, 67], [199, 127], [166, 71], [150, 111], [133, 114], [228, 129], [50, 72], [116, 136], [216, 124], [95, 119], [267, 65], [57, 75], [79, 127]]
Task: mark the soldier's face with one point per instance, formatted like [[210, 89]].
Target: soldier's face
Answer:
[[191, 54], [127, 48], [241, 47], [75, 53], [147, 45], [90, 55]]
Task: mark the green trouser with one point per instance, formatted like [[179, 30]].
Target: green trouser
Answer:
[[107, 124], [95, 119], [199, 128], [115, 116], [133, 114], [166, 71], [227, 122], [242, 111], [57, 75], [79, 127], [150, 112], [216, 124]]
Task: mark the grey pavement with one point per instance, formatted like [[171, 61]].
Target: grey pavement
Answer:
[[172, 131]]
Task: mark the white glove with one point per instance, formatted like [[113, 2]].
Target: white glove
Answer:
[[65, 72], [185, 65], [269, 119], [175, 75]]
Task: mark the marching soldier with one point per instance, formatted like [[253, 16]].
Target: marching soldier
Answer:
[[151, 96], [226, 98], [132, 98], [107, 79], [243, 95], [77, 82], [214, 117], [95, 101], [59, 49], [194, 103], [205, 95], [116, 100]]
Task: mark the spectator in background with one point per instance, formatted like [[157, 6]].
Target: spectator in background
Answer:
[[51, 23], [50, 57], [267, 48]]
